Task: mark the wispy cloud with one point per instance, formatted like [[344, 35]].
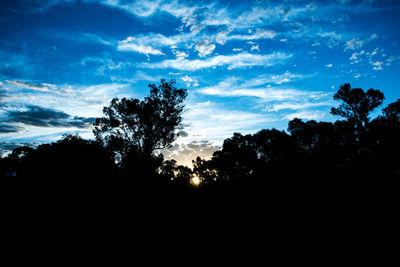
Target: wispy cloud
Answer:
[[267, 94], [214, 122], [44, 87], [297, 105], [357, 43], [305, 103], [241, 60], [309, 115], [130, 44], [259, 34], [257, 87]]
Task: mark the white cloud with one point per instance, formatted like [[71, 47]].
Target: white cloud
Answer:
[[259, 34], [233, 87], [270, 94], [355, 57], [377, 65], [160, 40], [240, 60], [391, 59], [255, 48], [309, 115], [331, 34], [44, 87], [142, 76], [329, 65], [221, 37], [304, 104], [205, 47], [213, 122], [235, 24], [375, 52], [353, 44], [373, 36], [190, 82], [237, 49], [187, 79], [356, 43], [180, 54], [284, 78], [131, 44]]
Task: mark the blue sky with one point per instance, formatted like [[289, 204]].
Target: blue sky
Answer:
[[247, 65]]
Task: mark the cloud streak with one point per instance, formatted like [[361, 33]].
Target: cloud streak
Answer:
[[130, 44], [45, 117], [241, 60], [256, 87], [44, 87]]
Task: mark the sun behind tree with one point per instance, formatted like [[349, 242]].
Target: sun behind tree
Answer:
[[195, 180]]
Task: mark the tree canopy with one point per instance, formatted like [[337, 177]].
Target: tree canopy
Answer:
[[356, 103], [131, 125]]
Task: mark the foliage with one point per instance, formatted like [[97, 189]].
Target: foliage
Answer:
[[141, 127], [70, 161], [357, 104]]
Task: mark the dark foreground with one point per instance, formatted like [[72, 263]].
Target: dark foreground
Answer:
[[199, 227]]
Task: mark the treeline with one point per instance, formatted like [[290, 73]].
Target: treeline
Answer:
[[354, 150], [355, 157]]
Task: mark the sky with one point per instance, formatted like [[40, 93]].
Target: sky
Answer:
[[247, 65]]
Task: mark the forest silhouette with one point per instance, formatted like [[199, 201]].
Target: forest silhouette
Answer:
[[315, 181]]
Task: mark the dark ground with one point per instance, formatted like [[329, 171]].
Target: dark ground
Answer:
[[122, 229]]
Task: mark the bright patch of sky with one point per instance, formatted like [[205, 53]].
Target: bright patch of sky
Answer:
[[247, 65]]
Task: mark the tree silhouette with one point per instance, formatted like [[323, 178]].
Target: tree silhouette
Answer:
[[392, 111], [174, 173], [357, 104], [134, 129], [205, 170], [69, 162]]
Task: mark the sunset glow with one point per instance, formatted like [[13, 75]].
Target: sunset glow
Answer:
[[195, 180]]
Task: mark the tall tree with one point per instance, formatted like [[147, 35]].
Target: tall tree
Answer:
[[141, 127], [356, 103]]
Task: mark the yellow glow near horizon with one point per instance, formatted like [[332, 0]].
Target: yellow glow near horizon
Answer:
[[195, 180]]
